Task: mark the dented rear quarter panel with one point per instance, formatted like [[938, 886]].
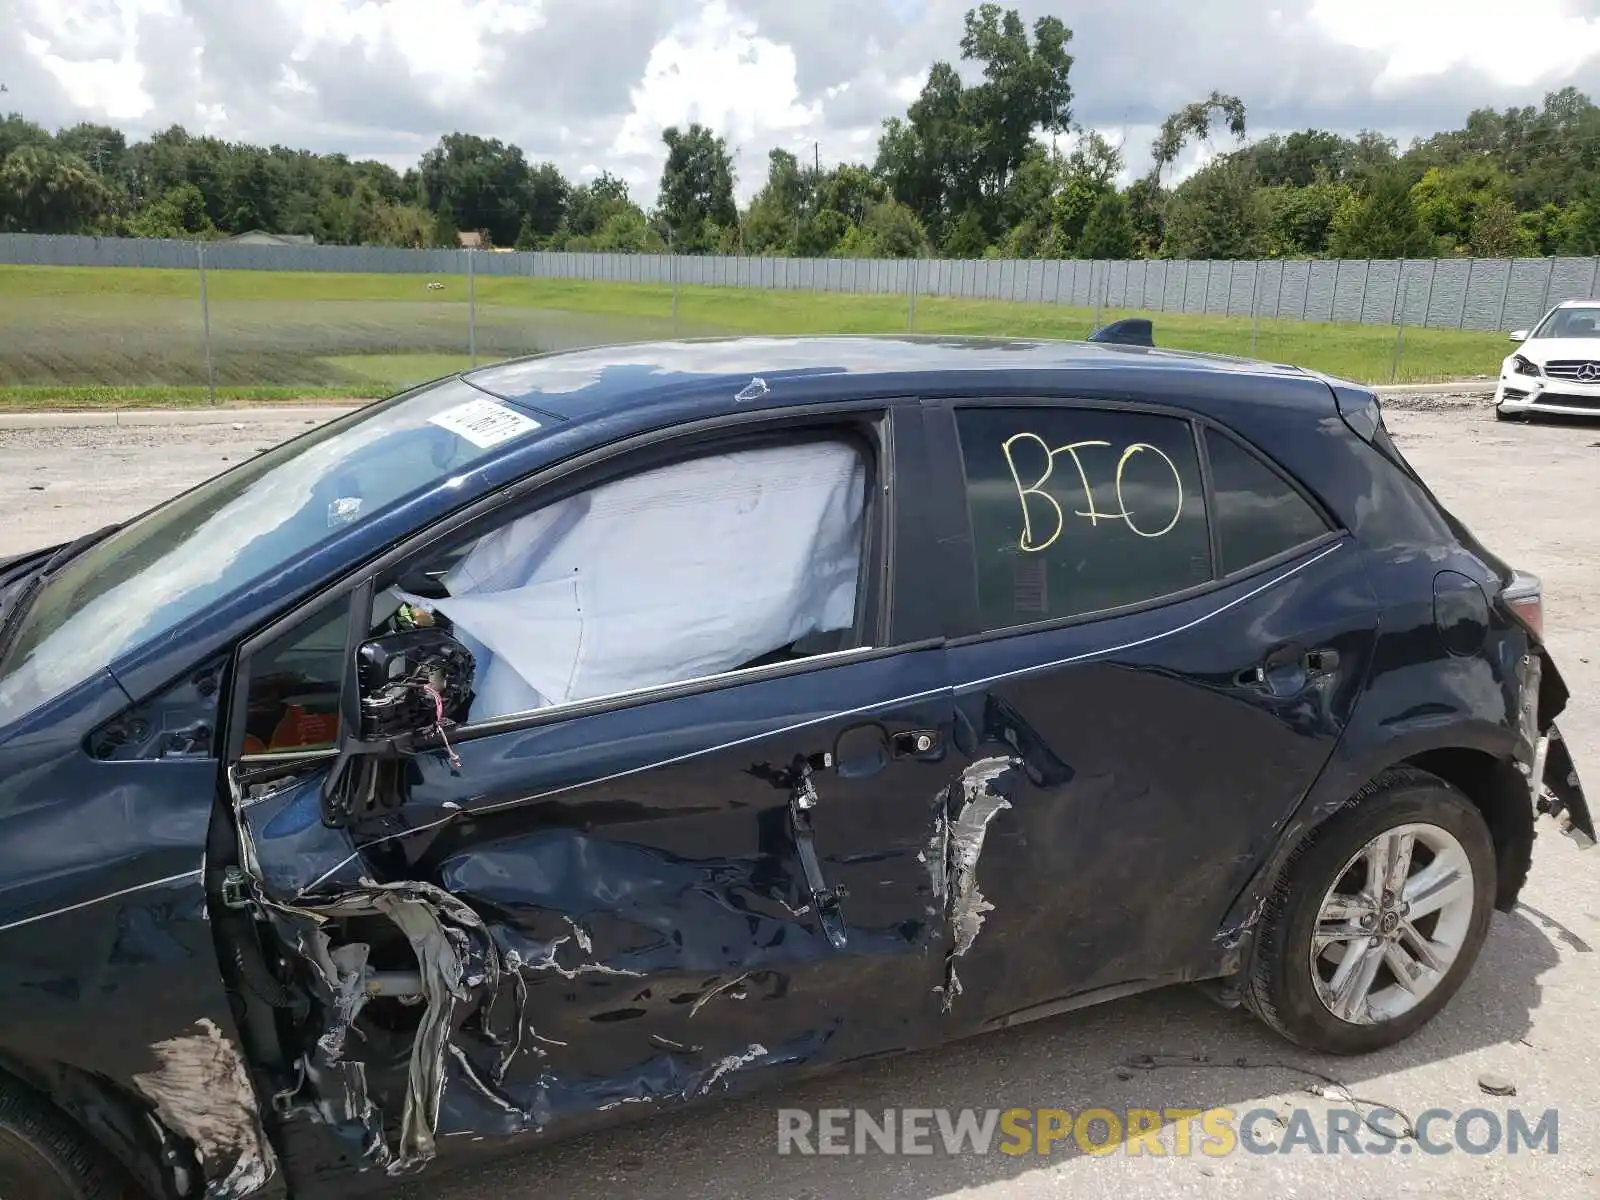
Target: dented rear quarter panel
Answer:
[[1419, 697]]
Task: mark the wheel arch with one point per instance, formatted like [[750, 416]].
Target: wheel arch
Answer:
[[110, 1119], [1475, 756], [1500, 792]]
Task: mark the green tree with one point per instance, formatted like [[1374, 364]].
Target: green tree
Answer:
[[967, 239], [1300, 159], [959, 148], [406, 225], [1108, 233], [1146, 205], [43, 190], [594, 203], [1298, 219], [1217, 213], [1194, 121], [1087, 177], [821, 233], [17, 131], [627, 232], [101, 146], [1381, 222], [852, 190], [890, 230], [484, 184], [181, 214], [1450, 199], [696, 200], [1496, 232]]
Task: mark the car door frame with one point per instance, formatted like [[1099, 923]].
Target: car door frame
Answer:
[[896, 546], [963, 619], [905, 569]]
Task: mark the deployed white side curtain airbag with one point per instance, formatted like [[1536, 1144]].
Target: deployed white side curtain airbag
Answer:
[[672, 574]]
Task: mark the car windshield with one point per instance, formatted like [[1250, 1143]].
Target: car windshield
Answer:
[[1573, 322], [147, 579]]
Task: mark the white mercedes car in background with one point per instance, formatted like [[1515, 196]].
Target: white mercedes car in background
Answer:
[[1557, 369]]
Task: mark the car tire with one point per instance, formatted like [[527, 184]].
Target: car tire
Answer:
[[45, 1156], [1298, 976]]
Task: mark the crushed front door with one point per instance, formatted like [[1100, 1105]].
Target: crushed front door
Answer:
[[639, 906]]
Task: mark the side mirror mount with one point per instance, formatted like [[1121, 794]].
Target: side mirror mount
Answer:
[[1520, 335], [407, 690]]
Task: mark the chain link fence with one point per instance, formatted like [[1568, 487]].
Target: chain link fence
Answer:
[[273, 321]]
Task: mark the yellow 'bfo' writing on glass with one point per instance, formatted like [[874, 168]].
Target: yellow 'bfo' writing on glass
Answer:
[[1033, 539]]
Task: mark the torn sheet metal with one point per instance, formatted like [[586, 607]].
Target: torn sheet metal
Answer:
[[202, 1092], [981, 797], [459, 972]]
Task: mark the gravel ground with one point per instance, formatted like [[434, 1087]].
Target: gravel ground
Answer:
[[1530, 1013]]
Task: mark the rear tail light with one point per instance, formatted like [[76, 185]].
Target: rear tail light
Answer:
[[1524, 596]]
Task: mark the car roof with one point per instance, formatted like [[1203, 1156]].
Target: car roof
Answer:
[[583, 384]]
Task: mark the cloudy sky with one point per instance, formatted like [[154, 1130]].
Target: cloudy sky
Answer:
[[589, 84]]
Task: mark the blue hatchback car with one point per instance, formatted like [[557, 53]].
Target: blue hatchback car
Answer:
[[598, 731]]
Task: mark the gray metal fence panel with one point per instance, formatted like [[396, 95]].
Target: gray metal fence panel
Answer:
[[1447, 288], [1349, 286], [1321, 289], [1572, 279], [1479, 294], [1525, 295], [1486, 293], [1381, 295], [1241, 289], [1411, 303], [1196, 286]]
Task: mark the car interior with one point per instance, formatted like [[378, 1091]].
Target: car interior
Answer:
[[714, 564]]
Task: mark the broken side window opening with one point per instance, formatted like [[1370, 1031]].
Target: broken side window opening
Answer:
[[685, 571], [410, 1005]]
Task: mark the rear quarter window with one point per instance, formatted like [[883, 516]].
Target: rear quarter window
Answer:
[[1258, 513], [1078, 511]]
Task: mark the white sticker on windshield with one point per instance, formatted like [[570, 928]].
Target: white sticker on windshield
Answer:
[[484, 423]]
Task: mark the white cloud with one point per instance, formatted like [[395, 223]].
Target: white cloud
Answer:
[[589, 84], [448, 43], [92, 51], [717, 70], [1529, 42]]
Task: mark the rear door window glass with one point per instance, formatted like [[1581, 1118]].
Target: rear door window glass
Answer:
[[1078, 510]]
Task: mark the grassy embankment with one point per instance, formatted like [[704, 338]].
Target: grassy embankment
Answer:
[[124, 337]]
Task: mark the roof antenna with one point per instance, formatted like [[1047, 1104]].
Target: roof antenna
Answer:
[[754, 390]]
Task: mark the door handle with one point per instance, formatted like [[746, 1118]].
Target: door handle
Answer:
[[864, 750]]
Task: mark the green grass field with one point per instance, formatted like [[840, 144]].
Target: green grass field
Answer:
[[127, 337]]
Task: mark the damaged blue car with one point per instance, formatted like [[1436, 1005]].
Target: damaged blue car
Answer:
[[596, 732]]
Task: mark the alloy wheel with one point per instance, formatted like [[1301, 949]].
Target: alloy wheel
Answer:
[[1393, 924]]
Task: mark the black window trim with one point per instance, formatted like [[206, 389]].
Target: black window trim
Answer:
[[1198, 423], [872, 419]]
